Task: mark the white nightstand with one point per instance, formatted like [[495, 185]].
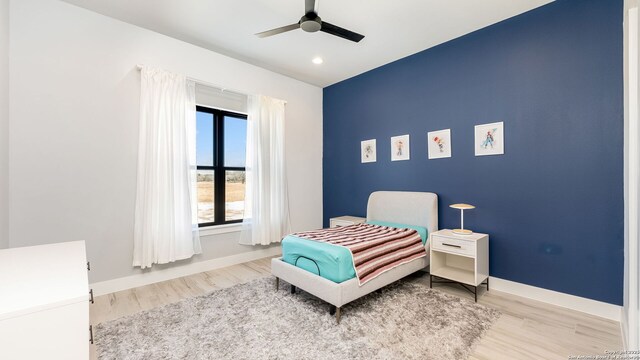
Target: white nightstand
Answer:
[[345, 221], [462, 259]]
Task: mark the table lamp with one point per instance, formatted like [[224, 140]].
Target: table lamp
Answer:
[[462, 208]]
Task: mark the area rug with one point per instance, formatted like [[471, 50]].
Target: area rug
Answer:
[[405, 320]]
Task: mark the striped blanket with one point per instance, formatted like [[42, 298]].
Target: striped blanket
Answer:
[[375, 249]]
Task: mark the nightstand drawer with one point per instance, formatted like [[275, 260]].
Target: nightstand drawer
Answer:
[[338, 223], [345, 221], [456, 246]]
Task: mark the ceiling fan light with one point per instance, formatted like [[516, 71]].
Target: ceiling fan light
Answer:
[[310, 25]]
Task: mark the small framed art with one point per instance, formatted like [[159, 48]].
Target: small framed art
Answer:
[[489, 139], [400, 149], [439, 144], [368, 151]]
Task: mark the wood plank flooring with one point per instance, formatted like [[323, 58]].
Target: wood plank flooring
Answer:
[[527, 329]]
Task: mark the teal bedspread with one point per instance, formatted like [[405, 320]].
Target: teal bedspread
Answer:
[[332, 261]]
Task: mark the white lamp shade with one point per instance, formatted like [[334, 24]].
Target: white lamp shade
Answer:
[[462, 206]]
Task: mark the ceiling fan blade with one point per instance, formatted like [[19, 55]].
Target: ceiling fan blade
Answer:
[[341, 32], [309, 6], [279, 30]]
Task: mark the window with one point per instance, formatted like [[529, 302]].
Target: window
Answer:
[[220, 141]]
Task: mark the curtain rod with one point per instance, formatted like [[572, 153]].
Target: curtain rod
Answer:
[[208, 84]]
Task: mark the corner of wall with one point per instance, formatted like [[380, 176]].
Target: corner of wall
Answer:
[[629, 321], [4, 124]]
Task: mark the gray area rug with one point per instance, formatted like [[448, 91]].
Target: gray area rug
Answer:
[[405, 320]]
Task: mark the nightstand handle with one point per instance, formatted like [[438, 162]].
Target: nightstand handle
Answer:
[[455, 246]]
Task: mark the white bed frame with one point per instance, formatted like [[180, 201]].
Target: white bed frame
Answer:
[[411, 208]]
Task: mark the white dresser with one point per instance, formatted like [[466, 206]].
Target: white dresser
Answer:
[[44, 302]]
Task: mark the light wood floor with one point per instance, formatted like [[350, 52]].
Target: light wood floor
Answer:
[[527, 329]]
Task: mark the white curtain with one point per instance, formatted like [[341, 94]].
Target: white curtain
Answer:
[[266, 215], [166, 227]]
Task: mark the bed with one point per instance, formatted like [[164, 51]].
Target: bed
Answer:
[[327, 271]]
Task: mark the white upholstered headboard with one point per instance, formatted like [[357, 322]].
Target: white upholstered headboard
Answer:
[[404, 207]]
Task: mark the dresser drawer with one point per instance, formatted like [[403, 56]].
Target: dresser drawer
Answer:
[[456, 246]]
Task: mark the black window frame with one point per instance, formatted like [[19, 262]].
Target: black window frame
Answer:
[[219, 168]]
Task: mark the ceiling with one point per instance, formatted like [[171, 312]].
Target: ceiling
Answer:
[[393, 29]]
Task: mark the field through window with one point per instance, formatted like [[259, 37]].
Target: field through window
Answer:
[[221, 175]]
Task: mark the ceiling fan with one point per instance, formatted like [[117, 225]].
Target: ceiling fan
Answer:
[[311, 22]]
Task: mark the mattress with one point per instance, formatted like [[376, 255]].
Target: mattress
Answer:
[[332, 262]]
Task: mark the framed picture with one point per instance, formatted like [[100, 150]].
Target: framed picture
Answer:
[[400, 148], [439, 144], [368, 151], [489, 139]]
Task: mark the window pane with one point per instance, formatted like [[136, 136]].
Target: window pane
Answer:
[[235, 141], [234, 195], [206, 213], [204, 139]]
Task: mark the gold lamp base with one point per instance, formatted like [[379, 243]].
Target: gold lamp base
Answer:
[[462, 232]]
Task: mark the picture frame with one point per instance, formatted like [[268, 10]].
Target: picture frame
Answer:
[[489, 139], [400, 148], [368, 151], [439, 144]]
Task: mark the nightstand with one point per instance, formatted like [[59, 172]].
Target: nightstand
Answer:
[[345, 221], [461, 259]]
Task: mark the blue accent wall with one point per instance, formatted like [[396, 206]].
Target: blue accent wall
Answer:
[[553, 203]]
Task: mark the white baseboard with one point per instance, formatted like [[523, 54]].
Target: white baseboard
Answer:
[[593, 307], [129, 282]]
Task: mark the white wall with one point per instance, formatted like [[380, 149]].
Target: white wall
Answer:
[[631, 310], [4, 123], [74, 129]]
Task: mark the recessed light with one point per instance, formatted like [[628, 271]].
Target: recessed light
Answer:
[[317, 60]]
